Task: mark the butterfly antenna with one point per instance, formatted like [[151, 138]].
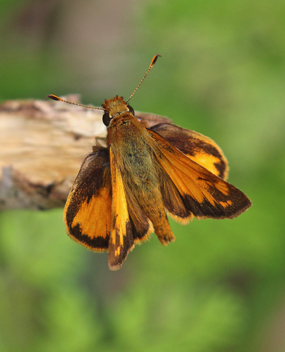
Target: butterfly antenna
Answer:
[[153, 61], [56, 98]]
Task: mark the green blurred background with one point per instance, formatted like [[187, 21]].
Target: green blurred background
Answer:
[[220, 285]]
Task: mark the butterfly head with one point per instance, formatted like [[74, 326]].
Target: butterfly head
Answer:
[[115, 107]]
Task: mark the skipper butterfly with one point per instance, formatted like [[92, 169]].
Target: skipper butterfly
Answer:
[[149, 167]]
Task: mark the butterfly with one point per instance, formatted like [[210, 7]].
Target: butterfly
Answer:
[[149, 168]]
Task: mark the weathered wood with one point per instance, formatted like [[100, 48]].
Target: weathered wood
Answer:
[[43, 144]]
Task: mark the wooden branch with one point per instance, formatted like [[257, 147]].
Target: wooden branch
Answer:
[[43, 144]]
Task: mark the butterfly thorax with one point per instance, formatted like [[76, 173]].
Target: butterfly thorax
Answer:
[[130, 143]]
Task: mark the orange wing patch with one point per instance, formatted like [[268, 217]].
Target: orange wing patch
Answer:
[[89, 219]]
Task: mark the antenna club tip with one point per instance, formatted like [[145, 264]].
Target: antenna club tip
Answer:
[[53, 97], [153, 61]]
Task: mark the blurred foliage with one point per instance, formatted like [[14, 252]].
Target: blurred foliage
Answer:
[[220, 285]]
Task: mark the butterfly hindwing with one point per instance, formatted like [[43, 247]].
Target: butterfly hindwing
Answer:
[[150, 120], [87, 213], [172, 199], [141, 225]]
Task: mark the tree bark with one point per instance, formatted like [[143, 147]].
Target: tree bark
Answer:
[[43, 144]]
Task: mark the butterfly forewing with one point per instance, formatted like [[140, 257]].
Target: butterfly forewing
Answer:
[[201, 149], [121, 237], [203, 194]]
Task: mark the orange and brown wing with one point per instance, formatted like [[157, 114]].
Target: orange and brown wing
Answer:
[[121, 237], [87, 213], [201, 149], [199, 192]]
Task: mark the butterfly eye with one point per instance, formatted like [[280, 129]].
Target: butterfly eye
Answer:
[[106, 119], [131, 110]]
